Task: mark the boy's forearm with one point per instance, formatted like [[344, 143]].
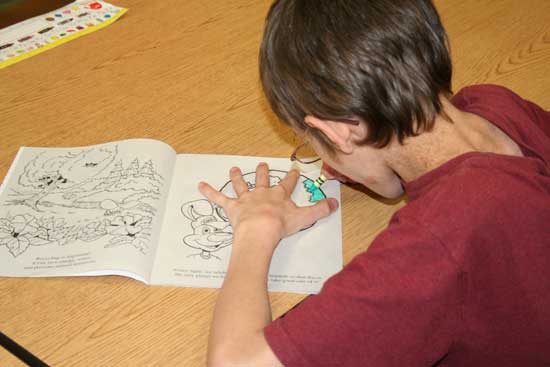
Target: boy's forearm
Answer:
[[242, 308]]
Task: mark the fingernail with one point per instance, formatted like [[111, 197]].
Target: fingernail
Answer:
[[333, 204]]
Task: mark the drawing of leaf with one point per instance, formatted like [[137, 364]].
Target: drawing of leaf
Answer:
[[17, 234], [5, 225], [18, 246], [7, 239], [5, 233]]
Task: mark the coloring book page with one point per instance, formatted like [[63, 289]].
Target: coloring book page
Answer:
[[196, 235], [133, 208], [82, 210]]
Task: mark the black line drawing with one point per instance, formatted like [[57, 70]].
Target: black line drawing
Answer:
[[211, 228], [211, 233], [133, 230], [88, 194]]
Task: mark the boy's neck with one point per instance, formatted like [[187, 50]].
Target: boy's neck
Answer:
[[447, 140]]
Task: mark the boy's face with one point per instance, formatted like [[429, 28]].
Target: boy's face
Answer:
[[364, 165]]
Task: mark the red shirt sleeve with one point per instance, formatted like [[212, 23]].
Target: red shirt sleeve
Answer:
[[400, 305], [539, 116], [524, 121]]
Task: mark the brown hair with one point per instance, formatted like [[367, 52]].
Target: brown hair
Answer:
[[384, 62]]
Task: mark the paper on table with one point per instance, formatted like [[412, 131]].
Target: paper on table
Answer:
[[133, 208], [85, 210], [189, 255]]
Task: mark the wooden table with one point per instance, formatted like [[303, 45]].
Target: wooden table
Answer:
[[185, 72]]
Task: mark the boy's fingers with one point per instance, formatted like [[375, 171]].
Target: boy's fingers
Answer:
[[321, 209], [290, 180], [262, 175], [212, 194], [239, 186]]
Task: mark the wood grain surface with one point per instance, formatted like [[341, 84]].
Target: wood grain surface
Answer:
[[185, 72]]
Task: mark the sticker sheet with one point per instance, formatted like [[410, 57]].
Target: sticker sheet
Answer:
[[38, 34]]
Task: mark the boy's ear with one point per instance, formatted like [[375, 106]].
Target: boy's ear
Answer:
[[340, 134]]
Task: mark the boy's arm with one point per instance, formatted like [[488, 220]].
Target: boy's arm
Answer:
[[260, 218], [242, 308]]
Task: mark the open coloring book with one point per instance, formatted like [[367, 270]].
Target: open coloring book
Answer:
[[133, 208]]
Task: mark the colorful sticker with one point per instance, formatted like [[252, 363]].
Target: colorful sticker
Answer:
[[56, 27]]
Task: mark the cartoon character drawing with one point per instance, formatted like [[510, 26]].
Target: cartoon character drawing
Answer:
[[211, 233], [312, 187], [210, 224]]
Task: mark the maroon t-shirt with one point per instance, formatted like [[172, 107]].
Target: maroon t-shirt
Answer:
[[461, 276]]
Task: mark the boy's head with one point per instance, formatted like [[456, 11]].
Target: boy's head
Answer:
[[382, 62]]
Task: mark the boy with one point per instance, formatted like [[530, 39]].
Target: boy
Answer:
[[461, 275]]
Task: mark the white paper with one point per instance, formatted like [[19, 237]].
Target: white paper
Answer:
[[69, 211], [190, 255], [133, 208]]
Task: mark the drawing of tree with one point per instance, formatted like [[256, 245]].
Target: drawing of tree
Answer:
[[133, 169], [147, 170]]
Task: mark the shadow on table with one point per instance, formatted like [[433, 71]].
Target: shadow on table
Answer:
[[15, 11]]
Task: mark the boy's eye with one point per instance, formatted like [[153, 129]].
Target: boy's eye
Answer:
[[205, 230]]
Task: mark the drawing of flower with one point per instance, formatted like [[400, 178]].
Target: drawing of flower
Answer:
[[20, 232], [130, 230]]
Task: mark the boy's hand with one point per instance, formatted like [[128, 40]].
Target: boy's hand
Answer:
[[266, 211]]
